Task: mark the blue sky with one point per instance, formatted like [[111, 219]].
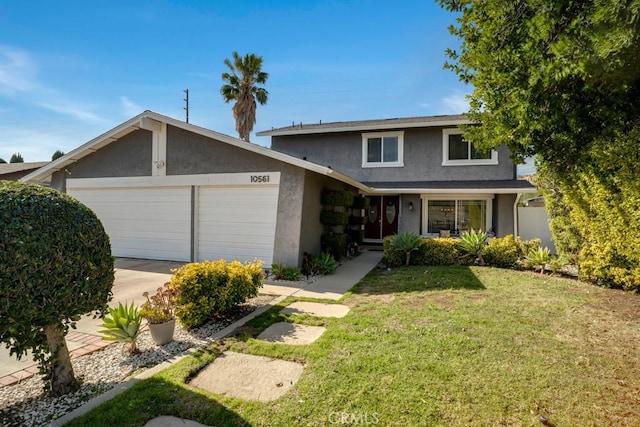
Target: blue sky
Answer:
[[71, 70]]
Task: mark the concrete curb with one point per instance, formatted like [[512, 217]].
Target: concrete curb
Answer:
[[98, 400]]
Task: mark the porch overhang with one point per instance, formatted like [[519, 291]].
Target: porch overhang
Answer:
[[514, 186]]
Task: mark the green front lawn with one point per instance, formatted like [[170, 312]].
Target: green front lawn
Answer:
[[432, 346]]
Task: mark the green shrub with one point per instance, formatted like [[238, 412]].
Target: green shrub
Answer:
[[474, 242], [437, 251], [335, 244], [507, 251], [407, 242], [333, 218], [538, 258], [55, 265], [281, 272], [208, 288], [123, 325], [325, 263], [337, 198], [443, 251]]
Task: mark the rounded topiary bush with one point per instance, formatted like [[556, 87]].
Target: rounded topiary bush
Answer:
[[55, 265], [208, 288]]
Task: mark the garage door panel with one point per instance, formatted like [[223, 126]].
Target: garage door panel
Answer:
[[144, 222], [237, 223]]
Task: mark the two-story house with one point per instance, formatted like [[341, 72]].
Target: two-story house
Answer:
[[169, 190], [420, 174]]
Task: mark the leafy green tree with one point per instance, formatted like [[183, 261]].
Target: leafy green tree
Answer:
[[242, 87], [57, 155], [561, 80], [2, 160], [55, 265], [16, 158], [548, 77]]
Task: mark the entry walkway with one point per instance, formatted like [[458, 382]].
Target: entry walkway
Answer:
[[133, 277]]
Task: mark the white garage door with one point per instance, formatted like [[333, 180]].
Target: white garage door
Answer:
[[234, 215], [143, 222], [237, 223]]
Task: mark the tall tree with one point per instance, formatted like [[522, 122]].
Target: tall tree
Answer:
[[57, 155], [561, 80], [548, 77], [2, 160], [242, 80], [16, 158]]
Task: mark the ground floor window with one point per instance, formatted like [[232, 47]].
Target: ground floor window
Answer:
[[457, 216]]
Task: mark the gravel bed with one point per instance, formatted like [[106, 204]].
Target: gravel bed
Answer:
[[26, 404]]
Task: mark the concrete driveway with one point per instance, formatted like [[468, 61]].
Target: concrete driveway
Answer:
[[132, 278]]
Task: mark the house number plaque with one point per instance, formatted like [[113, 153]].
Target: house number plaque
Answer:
[[259, 178]]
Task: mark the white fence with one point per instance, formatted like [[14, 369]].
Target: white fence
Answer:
[[533, 222]]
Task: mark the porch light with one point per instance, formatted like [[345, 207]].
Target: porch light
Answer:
[[410, 206]]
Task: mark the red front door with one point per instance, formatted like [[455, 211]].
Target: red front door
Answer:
[[382, 217]]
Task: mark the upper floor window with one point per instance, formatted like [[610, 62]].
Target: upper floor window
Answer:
[[382, 149], [456, 151]]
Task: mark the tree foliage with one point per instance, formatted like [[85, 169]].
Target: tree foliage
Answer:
[[242, 87], [16, 158], [561, 80], [55, 265], [57, 155], [549, 77]]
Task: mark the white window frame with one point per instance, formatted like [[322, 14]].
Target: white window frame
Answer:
[[488, 198], [463, 162], [382, 164]]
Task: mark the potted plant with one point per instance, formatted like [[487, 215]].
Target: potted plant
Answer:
[[158, 310]]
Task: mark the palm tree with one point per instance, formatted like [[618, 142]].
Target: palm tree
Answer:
[[241, 87]]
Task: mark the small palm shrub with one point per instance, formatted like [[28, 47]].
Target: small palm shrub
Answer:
[[281, 272], [209, 288], [122, 324], [474, 242], [325, 263], [538, 258], [407, 242]]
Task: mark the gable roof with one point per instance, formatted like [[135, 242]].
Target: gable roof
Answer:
[[367, 125], [7, 168], [141, 121]]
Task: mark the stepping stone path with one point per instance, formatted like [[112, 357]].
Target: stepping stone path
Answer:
[[263, 378], [248, 377], [291, 333], [316, 309]]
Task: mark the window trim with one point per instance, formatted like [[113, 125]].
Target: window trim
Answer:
[[425, 198], [382, 135], [467, 162]]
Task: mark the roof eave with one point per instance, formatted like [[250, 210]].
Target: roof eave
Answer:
[[362, 127]]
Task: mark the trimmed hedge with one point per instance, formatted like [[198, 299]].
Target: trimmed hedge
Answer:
[[337, 198], [505, 252], [334, 244], [333, 218], [437, 251], [208, 288]]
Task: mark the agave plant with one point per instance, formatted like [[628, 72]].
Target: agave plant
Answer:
[[538, 258], [407, 242], [123, 325], [325, 263], [474, 242]]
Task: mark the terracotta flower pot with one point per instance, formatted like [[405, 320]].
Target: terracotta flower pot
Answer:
[[162, 333]]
